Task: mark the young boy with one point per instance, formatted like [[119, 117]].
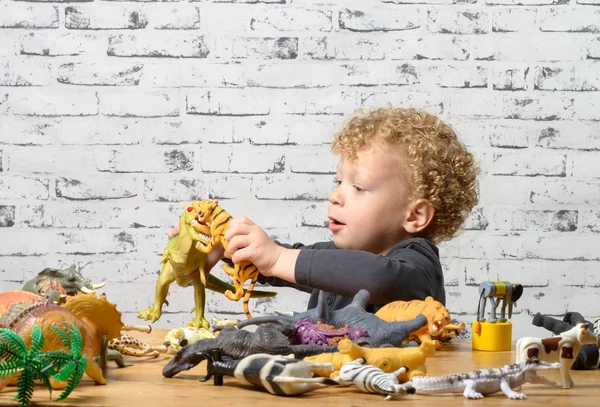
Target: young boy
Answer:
[[404, 183]]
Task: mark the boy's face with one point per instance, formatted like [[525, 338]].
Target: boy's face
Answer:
[[368, 208]]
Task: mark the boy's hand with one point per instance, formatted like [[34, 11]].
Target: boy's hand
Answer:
[[249, 242]]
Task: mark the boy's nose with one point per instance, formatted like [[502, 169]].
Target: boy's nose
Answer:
[[335, 196]]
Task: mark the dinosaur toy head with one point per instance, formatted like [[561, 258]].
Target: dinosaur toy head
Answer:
[[530, 369], [190, 223]]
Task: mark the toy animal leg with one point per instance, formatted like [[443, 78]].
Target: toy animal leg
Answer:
[[165, 279], [199, 301], [247, 299], [503, 310], [94, 371], [470, 392], [510, 393], [239, 290], [481, 315], [493, 306], [565, 378]]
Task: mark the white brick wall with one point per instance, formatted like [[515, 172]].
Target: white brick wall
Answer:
[[115, 114]]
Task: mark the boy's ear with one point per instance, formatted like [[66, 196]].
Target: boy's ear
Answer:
[[420, 215]]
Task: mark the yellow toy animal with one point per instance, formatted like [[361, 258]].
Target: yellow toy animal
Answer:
[[437, 315], [210, 213], [387, 359]]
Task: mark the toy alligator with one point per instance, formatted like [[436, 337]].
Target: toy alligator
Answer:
[[381, 333], [183, 264]]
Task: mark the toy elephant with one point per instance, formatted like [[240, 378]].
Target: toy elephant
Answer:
[[70, 280]]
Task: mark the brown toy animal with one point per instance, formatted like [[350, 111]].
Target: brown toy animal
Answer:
[[438, 318], [94, 317]]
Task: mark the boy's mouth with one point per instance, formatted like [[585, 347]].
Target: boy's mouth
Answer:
[[335, 225]]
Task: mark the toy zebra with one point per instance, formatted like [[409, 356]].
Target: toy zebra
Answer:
[[371, 379], [279, 375]]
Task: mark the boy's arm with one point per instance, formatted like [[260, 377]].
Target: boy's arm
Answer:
[[411, 270]]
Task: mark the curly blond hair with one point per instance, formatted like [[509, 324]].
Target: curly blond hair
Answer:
[[440, 168]]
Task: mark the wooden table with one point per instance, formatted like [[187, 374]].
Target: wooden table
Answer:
[[144, 385]]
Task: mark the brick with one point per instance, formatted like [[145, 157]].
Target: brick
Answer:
[[175, 17], [476, 220], [288, 130], [219, 103], [105, 16], [156, 104], [68, 130], [314, 215], [529, 163], [222, 75], [589, 220], [291, 20], [304, 235], [455, 76], [251, 1], [242, 159], [372, 74], [432, 103], [229, 186], [294, 75], [593, 2], [90, 73], [487, 245], [585, 164], [592, 49], [159, 44], [98, 187], [322, 161], [510, 77], [24, 73], [10, 46], [116, 271], [546, 47], [18, 269], [507, 136], [516, 219], [343, 47], [586, 106], [380, 19], [24, 15], [297, 187], [7, 216], [197, 129], [574, 20], [457, 22], [145, 216], [144, 159], [19, 187], [566, 246], [269, 214], [3, 104], [438, 47], [484, 105], [471, 132], [331, 101], [54, 103], [173, 188], [565, 192], [548, 107], [569, 135], [492, 190], [59, 44], [576, 78], [514, 20], [228, 47], [48, 159], [62, 215], [529, 273], [526, 2]]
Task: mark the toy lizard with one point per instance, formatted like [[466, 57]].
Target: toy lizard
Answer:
[[237, 344], [381, 333], [477, 384], [588, 355], [210, 213], [438, 318], [279, 375], [185, 266]]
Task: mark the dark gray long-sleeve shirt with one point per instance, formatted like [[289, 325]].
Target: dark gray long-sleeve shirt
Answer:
[[411, 270]]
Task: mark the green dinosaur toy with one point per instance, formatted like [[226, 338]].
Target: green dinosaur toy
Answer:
[[183, 264], [30, 364]]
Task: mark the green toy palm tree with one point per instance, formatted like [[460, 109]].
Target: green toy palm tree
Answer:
[[32, 364]]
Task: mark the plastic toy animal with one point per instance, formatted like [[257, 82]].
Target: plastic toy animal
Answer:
[[93, 316], [177, 338], [185, 266], [371, 379], [560, 349], [210, 213], [238, 344], [68, 280], [588, 355], [320, 334], [279, 375], [437, 316], [387, 359], [381, 333], [498, 292], [480, 383]]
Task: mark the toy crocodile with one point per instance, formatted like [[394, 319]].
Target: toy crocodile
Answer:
[[183, 264]]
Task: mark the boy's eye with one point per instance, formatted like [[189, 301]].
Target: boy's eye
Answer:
[[337, 182], [357, 188]]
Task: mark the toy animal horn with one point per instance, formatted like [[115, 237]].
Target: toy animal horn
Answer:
[[86, 290], [97, 286]]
